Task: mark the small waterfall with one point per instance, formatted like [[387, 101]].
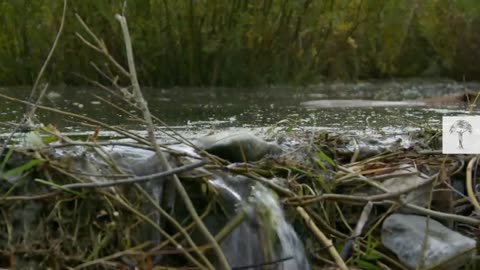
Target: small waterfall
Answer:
[[289, 245], [264, 240]]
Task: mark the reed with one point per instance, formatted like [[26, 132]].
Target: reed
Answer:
[[247, 43]]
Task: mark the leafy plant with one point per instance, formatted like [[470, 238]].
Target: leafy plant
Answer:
[[232, 43], [366, 259]]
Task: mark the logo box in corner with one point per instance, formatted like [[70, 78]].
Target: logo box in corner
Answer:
[[461, 134]]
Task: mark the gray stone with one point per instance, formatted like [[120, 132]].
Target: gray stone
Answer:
[[418, 196], [404, 235], [237, 147]]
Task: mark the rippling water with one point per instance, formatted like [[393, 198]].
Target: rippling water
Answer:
[[195, 109]]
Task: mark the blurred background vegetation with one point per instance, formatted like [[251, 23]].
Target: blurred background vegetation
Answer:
[[247, 42]]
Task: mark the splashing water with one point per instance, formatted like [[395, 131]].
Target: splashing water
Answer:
[[289, 245], [264, 240]]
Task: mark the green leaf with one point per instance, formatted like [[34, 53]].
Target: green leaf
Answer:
[[49, 139], [320, 164], [6, 159], [21, 169], [366, 265], [372, 255], [322, 183], [322, 156]]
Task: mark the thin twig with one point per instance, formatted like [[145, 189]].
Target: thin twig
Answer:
[[189, 227], [100, 46], [437, 214], [49, 56], [99, 144], [139, 179], [179, 137], [347, 248], [177, 226], [421, 257], [468, 180], [373, 198], [110, 257], [157, 227], [263, 265]]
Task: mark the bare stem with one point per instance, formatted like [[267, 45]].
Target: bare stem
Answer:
[[471, 194], [139, 179], [142, 104], [322, 238]]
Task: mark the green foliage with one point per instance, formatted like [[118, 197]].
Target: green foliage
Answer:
[[324, 157], [367, 259], [247, 42], [20, 170]]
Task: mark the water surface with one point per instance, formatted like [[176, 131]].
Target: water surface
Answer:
[[200, 109]]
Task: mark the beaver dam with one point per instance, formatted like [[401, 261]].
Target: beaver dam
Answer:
[[312, 187], [282, 178], [302, 200], [287, 195]]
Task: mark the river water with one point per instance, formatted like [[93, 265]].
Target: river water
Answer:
[[193, 110]]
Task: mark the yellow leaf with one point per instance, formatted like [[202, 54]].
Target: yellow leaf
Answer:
[[342, 27]]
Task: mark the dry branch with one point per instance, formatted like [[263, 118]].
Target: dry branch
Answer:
[[322, 238]]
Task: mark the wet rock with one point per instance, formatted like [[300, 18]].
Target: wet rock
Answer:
[[404, 235], [418, 196], [237, 147], [368, 147]]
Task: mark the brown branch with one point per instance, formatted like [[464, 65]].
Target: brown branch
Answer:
[[322, 238], [101, 46], [353, 198], [132, 180]]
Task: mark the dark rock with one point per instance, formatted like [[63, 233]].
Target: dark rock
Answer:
[[237, 147]]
